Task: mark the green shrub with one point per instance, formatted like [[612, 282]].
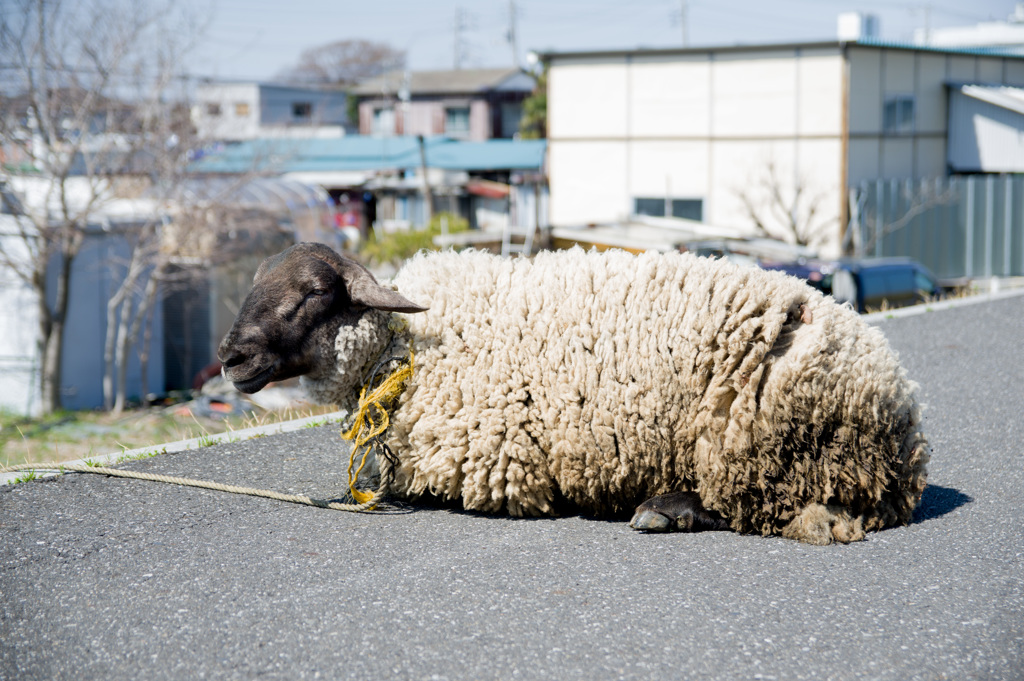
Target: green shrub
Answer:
[[399, 246]]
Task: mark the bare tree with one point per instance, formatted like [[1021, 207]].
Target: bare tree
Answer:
[[787, 208], [914, 199], [345, 62], [197, 227], [84, 107]]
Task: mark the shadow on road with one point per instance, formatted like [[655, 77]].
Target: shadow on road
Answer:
[[938, 501]]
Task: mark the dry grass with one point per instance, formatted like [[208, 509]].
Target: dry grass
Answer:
[[75, 435], [961, 292]]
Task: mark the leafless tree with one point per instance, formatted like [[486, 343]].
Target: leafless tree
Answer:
[[192, 234], [345, 62], [84, 120], [914, 199], [789, 209]]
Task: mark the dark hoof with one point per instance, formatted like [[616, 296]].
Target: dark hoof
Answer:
[[676, 512]]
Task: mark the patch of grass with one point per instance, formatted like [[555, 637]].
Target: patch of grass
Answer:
[[139, 456], [28, 476], [78, 435], [206, 440]]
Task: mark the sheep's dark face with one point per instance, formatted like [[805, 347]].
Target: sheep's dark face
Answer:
[[298, 301]]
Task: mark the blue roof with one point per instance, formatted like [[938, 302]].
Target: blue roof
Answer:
[[357, 152]]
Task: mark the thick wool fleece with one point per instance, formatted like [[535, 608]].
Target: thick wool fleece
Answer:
[[608, 378]]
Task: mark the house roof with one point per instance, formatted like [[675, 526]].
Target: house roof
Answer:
[[363, 153], [996, 50], [1011, 98], [268, 84], [461, 81]]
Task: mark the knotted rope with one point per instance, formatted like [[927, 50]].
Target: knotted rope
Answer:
[[369, 423]]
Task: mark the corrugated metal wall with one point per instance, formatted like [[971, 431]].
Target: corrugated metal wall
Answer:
[[964, 226], [984, 137]]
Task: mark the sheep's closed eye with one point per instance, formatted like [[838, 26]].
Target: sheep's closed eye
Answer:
[[293, 307], [316, 293]]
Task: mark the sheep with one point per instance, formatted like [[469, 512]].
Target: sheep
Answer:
[[689, 392]]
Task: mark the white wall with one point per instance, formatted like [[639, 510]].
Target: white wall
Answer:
[[669, 97], [587, 181], [19, 324], [691, 126], [587, 99], [230, 123]]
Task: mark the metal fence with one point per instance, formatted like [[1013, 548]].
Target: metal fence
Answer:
[[966, 226]]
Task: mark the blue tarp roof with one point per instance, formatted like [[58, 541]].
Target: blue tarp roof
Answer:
[[356, 152]]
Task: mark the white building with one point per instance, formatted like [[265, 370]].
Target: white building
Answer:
[[1007, 34], [697, 132], [249, 110]]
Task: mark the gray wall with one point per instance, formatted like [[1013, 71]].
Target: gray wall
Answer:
[[963, 226], [94, 278], [328, 108]]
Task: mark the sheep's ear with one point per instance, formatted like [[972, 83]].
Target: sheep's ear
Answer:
[[364, 290]]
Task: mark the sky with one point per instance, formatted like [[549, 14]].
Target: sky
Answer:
[[257, 39]]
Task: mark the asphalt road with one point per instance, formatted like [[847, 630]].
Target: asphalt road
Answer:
[[112, 579]]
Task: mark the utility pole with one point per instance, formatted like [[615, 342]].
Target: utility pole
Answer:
[[926, 10], [512, 32], [683, 21], [428, 195], [459, 48]]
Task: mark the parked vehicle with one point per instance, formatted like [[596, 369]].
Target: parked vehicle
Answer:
[[817, 273], [869, 283]]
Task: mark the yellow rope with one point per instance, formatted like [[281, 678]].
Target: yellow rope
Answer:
[[370, 420]]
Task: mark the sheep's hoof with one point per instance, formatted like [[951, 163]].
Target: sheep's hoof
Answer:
[[678, 511]]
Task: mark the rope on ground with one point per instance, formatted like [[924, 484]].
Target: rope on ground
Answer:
[[366, 432], [204, 484]]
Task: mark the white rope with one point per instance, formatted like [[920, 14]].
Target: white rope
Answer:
[[204, 484]]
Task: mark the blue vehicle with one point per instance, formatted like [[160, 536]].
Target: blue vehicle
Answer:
[[869, 283]]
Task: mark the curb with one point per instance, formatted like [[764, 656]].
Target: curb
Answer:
[[187, 445], [924, 308]]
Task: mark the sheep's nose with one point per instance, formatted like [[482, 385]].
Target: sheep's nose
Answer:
[[228, 355], [232, 360]]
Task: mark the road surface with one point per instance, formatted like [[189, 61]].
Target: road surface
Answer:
[[112, 579]]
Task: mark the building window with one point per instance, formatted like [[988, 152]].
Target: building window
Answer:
[[302, 110], [242, 109], [690, 209], [213, 109], [898, 114], [456, 121]]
